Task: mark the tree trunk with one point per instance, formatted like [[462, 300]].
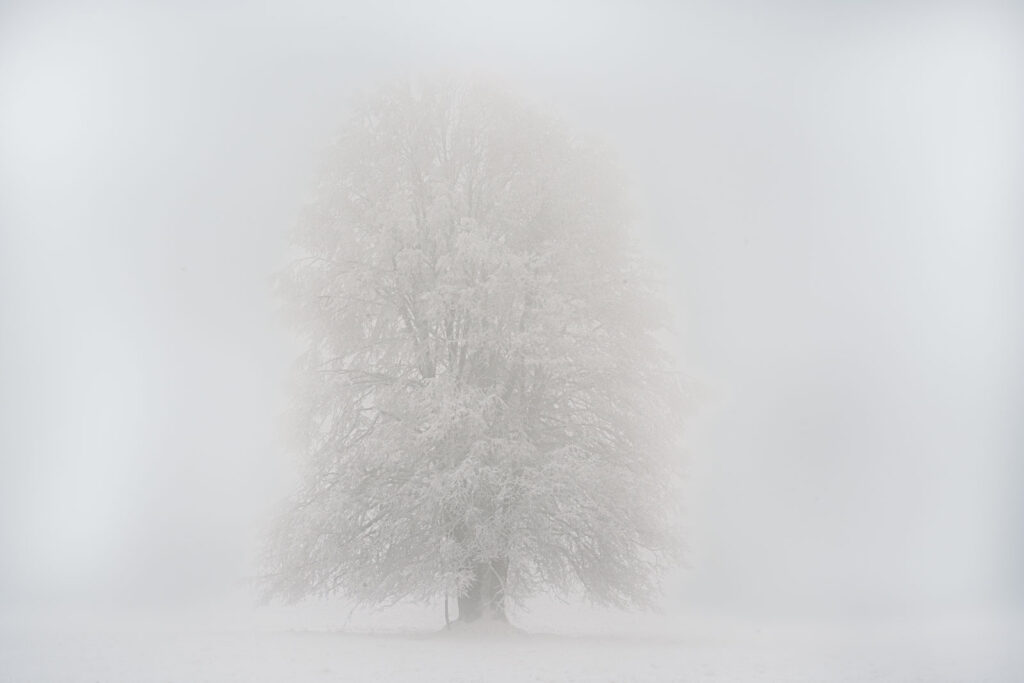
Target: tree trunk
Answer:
[[486, 597]]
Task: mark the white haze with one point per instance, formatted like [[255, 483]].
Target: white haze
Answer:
[[833, 188]]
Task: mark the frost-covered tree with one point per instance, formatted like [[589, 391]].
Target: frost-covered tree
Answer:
[[484, 409]]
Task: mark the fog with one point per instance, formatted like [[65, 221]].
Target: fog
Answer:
[[831, 189]]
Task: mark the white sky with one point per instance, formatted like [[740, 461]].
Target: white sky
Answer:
[[833, 189]]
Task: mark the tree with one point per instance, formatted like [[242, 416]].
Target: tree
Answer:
[[484, 408]]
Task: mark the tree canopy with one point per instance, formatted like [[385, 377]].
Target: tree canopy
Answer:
[[483, 408]]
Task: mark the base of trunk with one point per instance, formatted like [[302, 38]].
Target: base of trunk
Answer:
[[482, 628], [485, 599]]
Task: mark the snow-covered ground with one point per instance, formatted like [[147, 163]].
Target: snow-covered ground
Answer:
[[321, 644]]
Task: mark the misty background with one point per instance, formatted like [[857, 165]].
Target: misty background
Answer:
[[833, 191]]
